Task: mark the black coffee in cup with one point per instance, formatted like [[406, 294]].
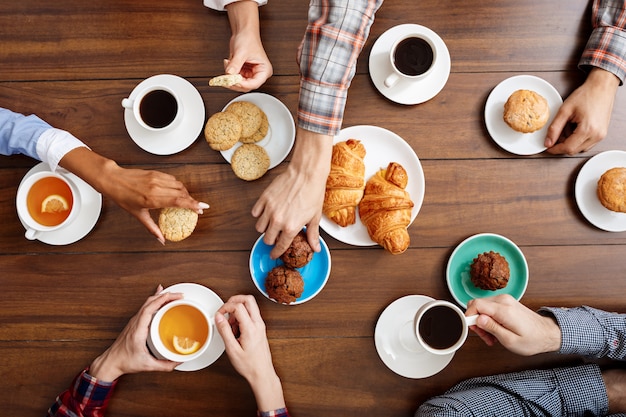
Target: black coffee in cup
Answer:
[[158, 108], [440, 327], [413, 56]]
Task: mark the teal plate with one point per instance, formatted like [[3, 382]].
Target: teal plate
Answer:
[[457, 272], [315, 274]]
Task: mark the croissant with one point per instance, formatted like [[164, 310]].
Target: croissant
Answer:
[[345, 182], [386, 208]]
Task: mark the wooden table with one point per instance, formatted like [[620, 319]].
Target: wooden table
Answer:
[[71, 62]]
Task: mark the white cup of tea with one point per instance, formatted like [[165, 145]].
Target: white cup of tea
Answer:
[[180, 331], [155, 107], [412, 57], [46, 201], [441, 327]]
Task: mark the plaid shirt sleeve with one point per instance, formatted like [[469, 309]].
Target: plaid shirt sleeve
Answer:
[[591, 332], [86, 397], [573, 391], [281, 412], [335, 35], [606, 47]]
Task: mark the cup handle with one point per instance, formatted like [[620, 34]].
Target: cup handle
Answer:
[[31, 234], [471, 320], [127, 103], [391, 80]]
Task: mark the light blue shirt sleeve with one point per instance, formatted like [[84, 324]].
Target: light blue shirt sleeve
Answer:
[[31, 136], [19, 134]]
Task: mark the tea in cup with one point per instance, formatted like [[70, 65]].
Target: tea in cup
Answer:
[[180, 331], [412, 57], [156, 107], [441, 327], [46, 201]]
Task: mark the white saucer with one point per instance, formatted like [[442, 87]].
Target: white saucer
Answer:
[[91, 204], [398, 347], [382, 146], [281, 133], [586, 194], [168, 143], [507, 138], [405, 91], [213, 302]]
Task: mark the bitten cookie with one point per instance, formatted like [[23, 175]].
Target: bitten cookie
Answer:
[[612, 189], [260, 133], [250, 115], [177, 223], [250, 162], [226, 80], [284, 284], [222, 131], [526, 111]]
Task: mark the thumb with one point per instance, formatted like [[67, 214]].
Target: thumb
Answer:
[[491, 326], [556, 127], [233, 65], [144, 217]]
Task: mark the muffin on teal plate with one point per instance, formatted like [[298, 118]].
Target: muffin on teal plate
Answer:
[[458, 270]]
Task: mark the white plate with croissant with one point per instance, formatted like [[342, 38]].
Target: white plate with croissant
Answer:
[[386, 203]]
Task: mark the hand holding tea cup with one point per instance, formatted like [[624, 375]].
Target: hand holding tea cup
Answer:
[[522, 331], [129, 354], [248, 349]]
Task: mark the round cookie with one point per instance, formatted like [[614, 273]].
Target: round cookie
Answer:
[[250, 162], [526, 111], [612, 189], [177, 223], [260, 133], [250, 115], [222, 131]]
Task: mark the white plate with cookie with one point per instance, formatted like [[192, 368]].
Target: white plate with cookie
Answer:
[[281, 132], [382, 147], [505, 136], [587, 195]]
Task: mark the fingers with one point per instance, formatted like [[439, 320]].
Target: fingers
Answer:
[[281, 244], [144, 218], [557, 126], [313, 236], [225, 330]]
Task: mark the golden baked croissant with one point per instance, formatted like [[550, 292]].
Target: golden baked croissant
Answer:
[[345, 183], [386, 208]]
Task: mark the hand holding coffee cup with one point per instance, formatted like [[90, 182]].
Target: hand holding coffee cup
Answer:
[[412, 58], [46, 201], [180, 331], [441, 327], [155, 107]]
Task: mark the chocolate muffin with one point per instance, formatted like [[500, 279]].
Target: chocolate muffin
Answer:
[[490, 271], [299, 253], [284, 284]]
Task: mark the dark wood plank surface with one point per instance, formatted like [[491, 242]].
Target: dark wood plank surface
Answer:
[[72, 62]]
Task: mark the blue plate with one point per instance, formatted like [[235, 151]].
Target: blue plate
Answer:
[[458, 276], [315, 273]]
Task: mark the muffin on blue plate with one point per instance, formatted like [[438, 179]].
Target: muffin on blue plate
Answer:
[[284, 284]]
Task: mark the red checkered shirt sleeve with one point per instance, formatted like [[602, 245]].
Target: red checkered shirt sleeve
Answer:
[[86, 397], [606, 47], [335, 35]]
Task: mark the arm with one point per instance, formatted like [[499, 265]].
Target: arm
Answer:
[[590, 106], [249, 352], [135, 190], [333, 40], [92, 389]]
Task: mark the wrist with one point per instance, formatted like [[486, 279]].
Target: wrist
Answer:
[[312, 153], [601, 78], [104, 368], [268, 392], [243, 16], [552, 331]]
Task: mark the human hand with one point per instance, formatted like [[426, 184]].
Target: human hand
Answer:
[[294, 199], [502, 318], [129, 353], [247, 55], [248, 349], [589, 107]]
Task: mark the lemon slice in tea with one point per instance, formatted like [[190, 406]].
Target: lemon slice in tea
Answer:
[[185, 345], [54, 204]]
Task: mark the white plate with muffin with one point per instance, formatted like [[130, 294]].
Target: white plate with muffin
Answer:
[[601, 191], [518, 112]]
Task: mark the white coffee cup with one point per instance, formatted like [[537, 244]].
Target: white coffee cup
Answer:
[[158, 346], [441, 327], [156, 107], [412, 57], [35, 228]]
